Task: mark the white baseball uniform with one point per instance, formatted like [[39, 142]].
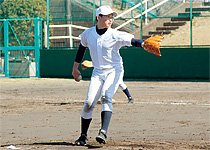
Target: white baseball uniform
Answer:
[[108, 66], [122, 85]]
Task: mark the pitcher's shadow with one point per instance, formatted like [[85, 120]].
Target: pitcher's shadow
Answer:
[[65, 144]]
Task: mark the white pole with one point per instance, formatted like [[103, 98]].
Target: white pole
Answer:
[[45, 34], [146, 20], [70, 39]]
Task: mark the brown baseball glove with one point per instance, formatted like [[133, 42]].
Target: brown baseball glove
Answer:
[[86, 64], [152, 44]]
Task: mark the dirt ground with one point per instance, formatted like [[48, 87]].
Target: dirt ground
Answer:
[[40, 113]]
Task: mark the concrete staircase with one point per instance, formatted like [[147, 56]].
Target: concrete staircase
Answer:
[[175, 22]]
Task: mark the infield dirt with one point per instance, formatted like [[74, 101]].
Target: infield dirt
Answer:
[[40, 113]]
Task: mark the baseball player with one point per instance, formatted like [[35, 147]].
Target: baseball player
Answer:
[[103, 43], [125, 90], [88, 64]]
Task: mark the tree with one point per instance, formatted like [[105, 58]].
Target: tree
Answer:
[[24, 9], [16, 9]]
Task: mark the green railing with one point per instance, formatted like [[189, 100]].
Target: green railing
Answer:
[[16, 48]]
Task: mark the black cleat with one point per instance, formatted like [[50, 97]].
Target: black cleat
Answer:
[[82, 140], [130, 100], [101, 138]]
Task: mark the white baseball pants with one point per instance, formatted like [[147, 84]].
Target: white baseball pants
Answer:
[[104, 84]]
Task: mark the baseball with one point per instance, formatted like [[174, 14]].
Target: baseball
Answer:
[[80, 77]]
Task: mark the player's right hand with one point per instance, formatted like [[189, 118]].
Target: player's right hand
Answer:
[[76, 72]]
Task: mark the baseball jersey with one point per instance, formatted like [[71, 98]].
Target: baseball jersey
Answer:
[[104, 49]]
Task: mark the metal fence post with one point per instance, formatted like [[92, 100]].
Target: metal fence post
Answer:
[[132, 21], [191, 23], [6, 45], [94, 17], [141, 20], [37, 46], [41, 32], [48, 18]]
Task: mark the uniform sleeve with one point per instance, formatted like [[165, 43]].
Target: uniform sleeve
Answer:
[[83, 37], [124, 38], [80, 53], [137, 42]]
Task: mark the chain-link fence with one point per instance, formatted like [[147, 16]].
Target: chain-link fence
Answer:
[[170, 17]]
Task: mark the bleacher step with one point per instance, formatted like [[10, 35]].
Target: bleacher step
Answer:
[[181, 19], [203, 8], [159, 32], [206, 3], [174, 23], [146, 37], [187, 14], [167, 28]]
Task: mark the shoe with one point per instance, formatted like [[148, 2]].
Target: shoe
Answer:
[[130, 100], [82, 140], [101, 138]]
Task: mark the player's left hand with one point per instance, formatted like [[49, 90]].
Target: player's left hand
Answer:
[[152, 44]]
